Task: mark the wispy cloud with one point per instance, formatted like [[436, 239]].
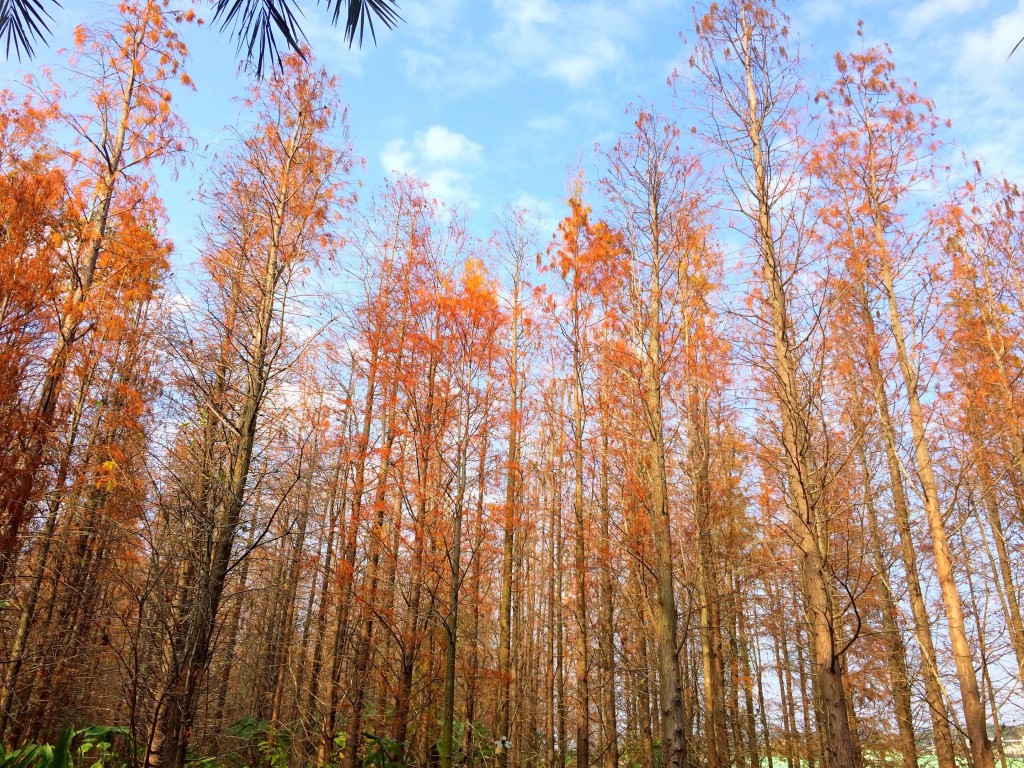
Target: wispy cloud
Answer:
[[445, 159], [569, 43], [986, 98], [931, 11]]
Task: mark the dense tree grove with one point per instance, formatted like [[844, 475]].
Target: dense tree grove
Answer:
[[726, 470]]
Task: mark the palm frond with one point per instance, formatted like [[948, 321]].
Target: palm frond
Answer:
[[360, 16], [257, 24], [23, 24]]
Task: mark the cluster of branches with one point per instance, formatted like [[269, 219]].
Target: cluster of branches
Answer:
[[655, 503]]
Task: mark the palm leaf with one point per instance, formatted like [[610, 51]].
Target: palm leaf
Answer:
[[22, 24], [361, 13], [258, 24]]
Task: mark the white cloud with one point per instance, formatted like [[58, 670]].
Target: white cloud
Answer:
[[570, 42], [986, 98], [440, 145], [573, 43], [547, 123], [526, 14], [425, 18], [940, 10], [395, 157], [445, 159], [578, 69]]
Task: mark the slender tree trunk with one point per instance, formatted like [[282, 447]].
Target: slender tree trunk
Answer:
[[673, 716], [177, 702], [361, 662], [451, 622], [974, 708], [901, 507], [607, 613], [513, 492], [711, 632], [16, 499], [763, 709], [1008, 591], [16, 654], [549, 490], [896, 652], [579, 550]]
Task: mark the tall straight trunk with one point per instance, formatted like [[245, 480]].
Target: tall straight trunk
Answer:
[[607, 612], [673, 716], [476, 578], [646, 700], [363, 650], [812, 743], [580, 557], [513, 501], [970, 694], [559, 584], [743, 650], [782, 668], [451, 620], [804, 487], [896, 652], [528, 703], [1004, 572], [762, 707], [711, 630], [549, 489], [938, 714], [16, 499]]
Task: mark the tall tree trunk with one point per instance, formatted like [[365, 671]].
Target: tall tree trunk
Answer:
[[711, 631], [1008, 590], [803, 484], [896, 652], [939, 717], [580, 554], [177, 702], [513, 501], [607, 613], [451, 620], [970, 694]]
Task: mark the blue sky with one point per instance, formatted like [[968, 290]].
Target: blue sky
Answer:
[[495, 101]]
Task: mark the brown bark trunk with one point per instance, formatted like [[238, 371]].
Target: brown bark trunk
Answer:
[[607, 613], [896, 652], [901, 508], [974, 708], [804, 487]]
